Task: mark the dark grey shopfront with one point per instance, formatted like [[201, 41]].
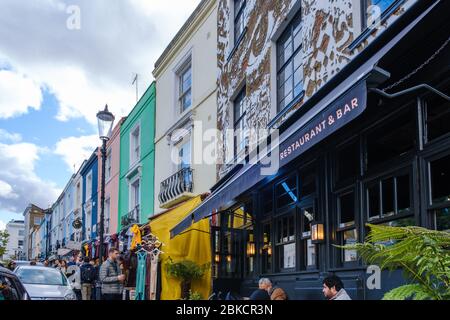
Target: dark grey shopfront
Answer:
[[389, 164]]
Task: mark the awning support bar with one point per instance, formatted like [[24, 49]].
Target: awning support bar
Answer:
[[409, 90]]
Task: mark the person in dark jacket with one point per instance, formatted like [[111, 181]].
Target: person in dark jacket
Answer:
[[88, 276], [111, 277], [259, 294]]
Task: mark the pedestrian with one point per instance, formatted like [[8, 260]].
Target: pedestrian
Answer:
[[111, 277], [72, 262], [12, 265], [87, 271], [74, 276], [63, 266], [97, 294], [32, 263], [275, 293], [46, 263], [259, 294], [333, 288]]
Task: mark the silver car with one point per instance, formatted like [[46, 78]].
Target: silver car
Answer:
[[43, 283]]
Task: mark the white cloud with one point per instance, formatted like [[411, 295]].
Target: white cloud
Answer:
[[18, 93], [87, 68], [6, 191], [20, 184], [2, 225], [6, 136], [75, 150]]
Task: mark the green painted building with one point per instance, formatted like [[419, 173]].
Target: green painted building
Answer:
[[137, 162]]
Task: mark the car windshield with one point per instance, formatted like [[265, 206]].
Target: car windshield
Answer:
[[51, 277]]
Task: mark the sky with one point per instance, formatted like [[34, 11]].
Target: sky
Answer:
[[61, 61]]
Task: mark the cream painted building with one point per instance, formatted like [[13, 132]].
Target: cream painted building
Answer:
[[186, 108]]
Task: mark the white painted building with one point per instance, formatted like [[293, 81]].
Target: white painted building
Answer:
[[15, 245], [186, 86]]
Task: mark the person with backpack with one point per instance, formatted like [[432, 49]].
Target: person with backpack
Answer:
[[87, 279]]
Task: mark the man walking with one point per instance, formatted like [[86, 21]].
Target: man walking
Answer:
[[87, 279], [111, 277]]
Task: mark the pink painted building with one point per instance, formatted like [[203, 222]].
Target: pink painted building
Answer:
[[112, 181]]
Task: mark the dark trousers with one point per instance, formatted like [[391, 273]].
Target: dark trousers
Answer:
[[109, 296], [78, 294]]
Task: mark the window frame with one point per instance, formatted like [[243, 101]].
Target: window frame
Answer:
[[183, 92], [135, 144], [240, 121], [289, 33], [238, 15]]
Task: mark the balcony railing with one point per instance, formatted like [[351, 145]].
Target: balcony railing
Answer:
[[176, 188], [131, 218]]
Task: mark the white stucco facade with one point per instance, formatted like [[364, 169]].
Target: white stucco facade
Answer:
[[15, 245]]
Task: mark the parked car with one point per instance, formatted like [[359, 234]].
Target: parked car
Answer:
[[25, 263], [43, 283], [11, 288]]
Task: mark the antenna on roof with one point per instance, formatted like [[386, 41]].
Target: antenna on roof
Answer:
[[136, 81]]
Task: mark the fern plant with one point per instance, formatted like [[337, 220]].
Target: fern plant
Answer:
[[423, 255]]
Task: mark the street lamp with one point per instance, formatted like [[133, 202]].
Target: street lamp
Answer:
[[105, 125]]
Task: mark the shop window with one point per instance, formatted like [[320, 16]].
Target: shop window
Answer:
[[250, 252], [440, 180], [309, 256], [346, 231], [290, 66], [347, 162], [266, 249], [391, 140], [389, 197], [437, 115], [285, 243], [286, 192], [307, 182], [442, 219]]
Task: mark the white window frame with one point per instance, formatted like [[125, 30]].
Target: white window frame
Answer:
[[108, 165], [107, 214], [89, 181], [185, 64], [131, 193], [133, 157]]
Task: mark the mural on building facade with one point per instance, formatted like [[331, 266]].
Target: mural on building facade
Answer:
[[327, 32]]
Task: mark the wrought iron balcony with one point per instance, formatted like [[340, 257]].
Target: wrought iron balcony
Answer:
[[176, 188], [131, 218]]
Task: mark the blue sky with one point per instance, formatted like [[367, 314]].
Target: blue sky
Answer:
[[54, 77]]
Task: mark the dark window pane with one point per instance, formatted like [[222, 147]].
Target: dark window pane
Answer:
[[291, 234], [391, 140], [405, 222], [403, 193], [267, 201], [438, 118], [373, 194], [307, 182], [440, 180], [388, 197], [286, 192], [307, 218], [266, 250], [443, 219], [346, 209], [347, 161]]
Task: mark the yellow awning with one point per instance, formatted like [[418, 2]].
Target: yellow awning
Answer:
[[194, 244]]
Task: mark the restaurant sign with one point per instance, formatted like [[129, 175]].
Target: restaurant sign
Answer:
[[332, 118]]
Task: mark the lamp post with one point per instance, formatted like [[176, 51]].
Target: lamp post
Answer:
[[105, 124]]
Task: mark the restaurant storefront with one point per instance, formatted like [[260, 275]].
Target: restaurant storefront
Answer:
[[355, 155]]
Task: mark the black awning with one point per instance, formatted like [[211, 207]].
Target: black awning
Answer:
[[341, 105]]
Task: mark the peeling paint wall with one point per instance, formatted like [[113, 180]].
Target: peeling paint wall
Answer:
[[327, 31]]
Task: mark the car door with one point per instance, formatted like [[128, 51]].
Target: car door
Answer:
[[9, 289]]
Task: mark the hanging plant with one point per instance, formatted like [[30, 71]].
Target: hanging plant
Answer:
[[186, 271]]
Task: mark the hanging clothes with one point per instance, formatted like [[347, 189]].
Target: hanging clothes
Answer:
[[154, 256], [137, 240], [86, 249], [140, 277]]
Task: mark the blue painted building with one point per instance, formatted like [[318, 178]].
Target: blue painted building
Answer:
[[89, 175]]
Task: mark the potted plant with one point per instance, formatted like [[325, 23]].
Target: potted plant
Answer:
[[186, 271]]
